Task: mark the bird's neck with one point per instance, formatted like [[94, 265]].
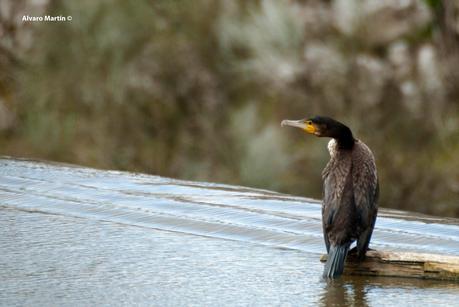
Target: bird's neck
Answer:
[[345, 139]]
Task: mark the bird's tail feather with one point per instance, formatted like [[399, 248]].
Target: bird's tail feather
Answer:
[[334, 266]]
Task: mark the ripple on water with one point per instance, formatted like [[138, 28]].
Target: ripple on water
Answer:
[[88, 246]]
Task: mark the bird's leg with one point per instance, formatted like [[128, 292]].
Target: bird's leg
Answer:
[[352, 251]]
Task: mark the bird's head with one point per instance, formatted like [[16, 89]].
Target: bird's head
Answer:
[[323, 126], [317, 125]]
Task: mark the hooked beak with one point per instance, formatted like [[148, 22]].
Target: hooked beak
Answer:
[[309, 128]]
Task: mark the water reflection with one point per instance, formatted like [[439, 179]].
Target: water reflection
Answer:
[[370, 290], [344, 292]]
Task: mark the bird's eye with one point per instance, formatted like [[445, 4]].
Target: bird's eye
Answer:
[[308, 122]]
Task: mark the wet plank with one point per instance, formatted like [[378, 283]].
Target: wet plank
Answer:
[[403, 264]]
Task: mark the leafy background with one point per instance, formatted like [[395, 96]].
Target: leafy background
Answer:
[[197, 89]]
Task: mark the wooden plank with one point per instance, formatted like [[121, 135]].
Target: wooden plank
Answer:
[[403, 264]]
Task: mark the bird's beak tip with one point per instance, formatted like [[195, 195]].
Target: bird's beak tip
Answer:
[[292, 123]]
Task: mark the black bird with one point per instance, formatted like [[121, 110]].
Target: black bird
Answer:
[[350, 192]]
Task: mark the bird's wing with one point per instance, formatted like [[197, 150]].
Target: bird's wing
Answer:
[[366, 192], [334, 176]]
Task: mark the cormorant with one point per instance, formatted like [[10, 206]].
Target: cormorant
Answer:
[[350, 191]]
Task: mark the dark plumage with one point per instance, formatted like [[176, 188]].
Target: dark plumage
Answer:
[[350, 191]]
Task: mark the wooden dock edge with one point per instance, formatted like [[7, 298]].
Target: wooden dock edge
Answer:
[[403, 264]]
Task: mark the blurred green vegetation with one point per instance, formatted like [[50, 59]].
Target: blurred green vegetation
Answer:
[[197, 89]]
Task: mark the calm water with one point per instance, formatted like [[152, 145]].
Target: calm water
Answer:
[[78, 236]]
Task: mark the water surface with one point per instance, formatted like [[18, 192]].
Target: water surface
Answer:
[[79, 236]]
